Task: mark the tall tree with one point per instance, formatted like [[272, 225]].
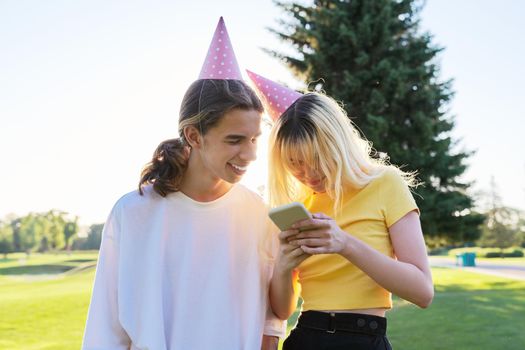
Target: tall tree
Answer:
[[94, 236], [503, 227], [369, 55], [6, 239], [70, 229], [54, 221], [30, 230]]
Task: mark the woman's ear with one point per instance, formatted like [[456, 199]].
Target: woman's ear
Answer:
[[192, 136]]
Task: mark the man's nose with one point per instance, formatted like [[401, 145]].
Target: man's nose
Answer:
[[249, 152]]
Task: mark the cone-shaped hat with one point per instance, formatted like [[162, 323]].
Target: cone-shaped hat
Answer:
[[276, 97], [220, 62]]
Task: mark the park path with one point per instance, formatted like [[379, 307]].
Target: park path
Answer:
[[506, 269]]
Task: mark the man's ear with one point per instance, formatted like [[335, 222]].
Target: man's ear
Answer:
[[193, 136]]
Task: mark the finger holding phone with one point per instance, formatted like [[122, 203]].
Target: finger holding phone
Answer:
[[319, 235], [284, 287], [290, 256]]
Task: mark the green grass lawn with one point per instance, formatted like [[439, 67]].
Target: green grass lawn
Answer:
[[469, 311], [43, 311], [44, 300]]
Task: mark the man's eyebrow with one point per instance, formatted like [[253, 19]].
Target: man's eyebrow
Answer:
[[235, 137], [240, 137]]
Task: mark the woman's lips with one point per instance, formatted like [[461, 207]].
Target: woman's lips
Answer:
[[314, 183]]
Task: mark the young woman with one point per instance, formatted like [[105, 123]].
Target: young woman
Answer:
[[363, 242], [182, 263]]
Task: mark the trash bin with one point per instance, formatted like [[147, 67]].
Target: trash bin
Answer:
[[468, 259]]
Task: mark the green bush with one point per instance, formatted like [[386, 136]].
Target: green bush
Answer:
[[438, 251], [516, 253], [513, 252]]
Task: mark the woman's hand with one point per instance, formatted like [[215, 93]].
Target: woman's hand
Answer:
[[319, 235]]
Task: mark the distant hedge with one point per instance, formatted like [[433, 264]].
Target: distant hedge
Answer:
[[516, 253], [513, 252]]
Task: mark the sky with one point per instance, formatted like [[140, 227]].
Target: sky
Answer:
[[88, 89]]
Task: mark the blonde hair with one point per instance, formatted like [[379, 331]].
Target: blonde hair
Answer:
[[316, 130]]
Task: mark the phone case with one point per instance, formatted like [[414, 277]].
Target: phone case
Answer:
[[286, 215]]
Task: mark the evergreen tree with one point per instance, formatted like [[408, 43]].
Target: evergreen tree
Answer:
[[369, 55]]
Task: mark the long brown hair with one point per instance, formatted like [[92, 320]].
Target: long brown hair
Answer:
[[203, 106]]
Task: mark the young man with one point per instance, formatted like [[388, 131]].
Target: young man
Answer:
[[186, 260]]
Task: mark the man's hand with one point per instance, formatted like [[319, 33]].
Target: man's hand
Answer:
[[290, 256], [269, 342]]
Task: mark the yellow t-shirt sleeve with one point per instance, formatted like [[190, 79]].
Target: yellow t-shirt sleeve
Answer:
[[397, 200]]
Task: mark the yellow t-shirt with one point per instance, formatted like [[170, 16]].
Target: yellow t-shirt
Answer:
[[331, 282]]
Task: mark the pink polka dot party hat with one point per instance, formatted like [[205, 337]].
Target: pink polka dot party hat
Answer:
[[220, 62], [276, 97]]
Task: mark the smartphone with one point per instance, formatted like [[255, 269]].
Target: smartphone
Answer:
[[286, 215]]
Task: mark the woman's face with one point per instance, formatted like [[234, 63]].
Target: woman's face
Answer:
[[308, 175], [230, 146]]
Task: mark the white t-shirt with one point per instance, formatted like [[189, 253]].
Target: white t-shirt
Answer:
[[174, 273]]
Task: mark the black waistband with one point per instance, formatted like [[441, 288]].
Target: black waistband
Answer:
[[332, 322]]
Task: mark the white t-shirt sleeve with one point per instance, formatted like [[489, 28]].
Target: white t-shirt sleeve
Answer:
[[103, 329], [273, 326]]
